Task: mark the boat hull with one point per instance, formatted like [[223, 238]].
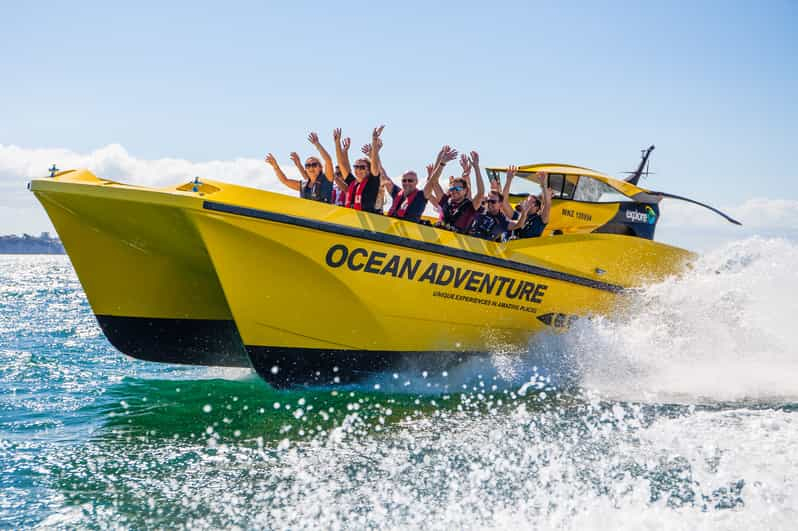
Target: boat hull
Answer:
[[144, 270], [320, 302]]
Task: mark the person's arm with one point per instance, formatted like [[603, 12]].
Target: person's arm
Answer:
[[293, 184], [342, 152], [366, 150], [329, 171], [437, 190], [466, 175], [342, 157], [436, 187], [445, 155], [298, 163], [376, 146], [386, 181], [477, 200], [545, 195], [507, 208], [514, 224]]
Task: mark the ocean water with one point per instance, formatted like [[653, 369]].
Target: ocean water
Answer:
[[680, 412]]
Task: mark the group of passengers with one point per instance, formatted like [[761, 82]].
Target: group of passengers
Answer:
[[488, 216]]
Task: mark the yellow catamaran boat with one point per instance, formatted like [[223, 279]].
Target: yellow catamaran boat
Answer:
[[212, 273]]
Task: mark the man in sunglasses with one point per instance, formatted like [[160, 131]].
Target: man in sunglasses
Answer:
[[457, 210], [315, 185], [492, 224], [408, 201], [362, 187]]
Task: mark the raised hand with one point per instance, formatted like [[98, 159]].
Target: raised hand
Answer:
[[270, 160], [375, 135], [511, 171], [337, 134], [295, 157], [313, 138], [542, 177], [526, 204], [366, 149], [430, 169], [465, 164], [474, 158], [447, 154], [346, 143]]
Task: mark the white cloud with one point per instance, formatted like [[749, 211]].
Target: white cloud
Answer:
[[18, 165]]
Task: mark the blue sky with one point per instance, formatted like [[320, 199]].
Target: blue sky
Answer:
[[712, 84]]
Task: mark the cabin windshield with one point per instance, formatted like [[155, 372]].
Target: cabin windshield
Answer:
[[563, 186], [594, 191]]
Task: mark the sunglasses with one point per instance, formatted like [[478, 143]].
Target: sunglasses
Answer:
[[456, 189], [408, 180], [492, 201], [359, 166], [312, 165]]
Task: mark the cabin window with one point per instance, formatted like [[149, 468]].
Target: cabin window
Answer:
[[594, 191], [526, 183], [562, 186]]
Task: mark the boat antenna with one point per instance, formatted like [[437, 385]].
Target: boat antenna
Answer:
[[635, 175]]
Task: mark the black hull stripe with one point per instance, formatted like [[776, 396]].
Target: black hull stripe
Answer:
[[409, 243], [286, 367], [210, 342]]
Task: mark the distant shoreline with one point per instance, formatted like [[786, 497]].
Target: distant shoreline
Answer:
[[27, 244]]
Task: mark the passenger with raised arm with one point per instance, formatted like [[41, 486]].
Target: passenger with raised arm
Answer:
[[363, 187], [314, 184], [495, 185], [408, 201], [457, 210], [538, 211], [492, 224]]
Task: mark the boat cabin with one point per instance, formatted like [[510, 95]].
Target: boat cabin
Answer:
[[584, 200]]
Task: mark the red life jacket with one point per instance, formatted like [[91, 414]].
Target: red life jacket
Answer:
[[400, 204], [457, 216], [354, 195]]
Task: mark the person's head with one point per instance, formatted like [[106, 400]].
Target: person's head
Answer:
[[338, 171], [409, 182], [458, 189], [534, 204], [361, 169], [313, 167], [494, 202]]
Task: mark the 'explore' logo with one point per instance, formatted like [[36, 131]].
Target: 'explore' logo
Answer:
[[649, 216]]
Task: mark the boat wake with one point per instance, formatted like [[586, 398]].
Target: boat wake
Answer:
[[720, 332]]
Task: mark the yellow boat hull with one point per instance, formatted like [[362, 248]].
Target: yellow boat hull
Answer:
[[321, 301], [144, 270]]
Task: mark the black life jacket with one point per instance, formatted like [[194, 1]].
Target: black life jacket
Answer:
[[533, 227], [319, 190], [489, 227]]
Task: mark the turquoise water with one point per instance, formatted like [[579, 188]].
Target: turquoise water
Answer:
[[679, 413]]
